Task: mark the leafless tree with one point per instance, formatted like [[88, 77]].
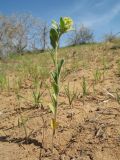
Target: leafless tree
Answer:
[[44, 33], [81, 36], [17, 31], [24, 28], [21, 32], [42, 37], [111, 37], [5, 34]]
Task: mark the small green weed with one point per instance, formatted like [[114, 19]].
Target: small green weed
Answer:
[[71, 95]]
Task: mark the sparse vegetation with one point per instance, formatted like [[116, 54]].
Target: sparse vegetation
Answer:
[[84, 86], [71, 94], [118, 67], [2, 81], [37, 95], [22, 120], [97, 75]]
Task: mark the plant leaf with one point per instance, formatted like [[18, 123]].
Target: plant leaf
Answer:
[[52, 56], [52, 108], [60, 66], [54, 24], [62, 24], [54, 124], [53, 98], [54, 76], [55, 88], [54, 37]]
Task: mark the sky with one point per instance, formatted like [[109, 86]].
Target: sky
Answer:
[[101, 16]]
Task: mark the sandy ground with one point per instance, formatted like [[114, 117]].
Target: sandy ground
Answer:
[[86, 131]]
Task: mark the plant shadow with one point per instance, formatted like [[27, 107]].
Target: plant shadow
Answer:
[[21, 141]]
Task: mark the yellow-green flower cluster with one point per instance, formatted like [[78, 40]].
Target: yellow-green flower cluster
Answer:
[[68, 23], [60, 28]]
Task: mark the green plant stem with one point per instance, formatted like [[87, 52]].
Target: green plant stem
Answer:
[[56, 59], [56, 68]]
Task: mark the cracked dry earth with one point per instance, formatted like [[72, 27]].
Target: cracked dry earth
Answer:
[[86, 131]]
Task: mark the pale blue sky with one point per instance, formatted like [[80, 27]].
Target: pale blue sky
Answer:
[[102, 16]]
